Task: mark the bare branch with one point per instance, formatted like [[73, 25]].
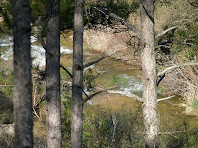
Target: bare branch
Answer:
[[35, 113], [91, 96], [174, 27], [167, 30], [109, 90], [66, 70], [85, 93], [137, 98], [163, 73], [40, 37], [169, 69], [158, 46], [96, 93], [72, 77], [127, 94], [93, 62], [161, 78], [166, 98], [107, 13]]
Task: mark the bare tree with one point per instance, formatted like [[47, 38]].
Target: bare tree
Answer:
[[23, 118], [150, 109], [77, 81], [53, 100]]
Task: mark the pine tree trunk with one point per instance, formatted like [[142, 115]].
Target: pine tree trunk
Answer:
[[23, 119], [150, 109], [77, 84], [53, 100]]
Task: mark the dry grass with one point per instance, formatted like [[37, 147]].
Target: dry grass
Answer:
[[177, 11], [6, 135], [106, 42], [113, 44], [134, 19], [6, 65]]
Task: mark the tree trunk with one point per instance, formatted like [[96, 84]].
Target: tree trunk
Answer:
[[53, 99], [150, 109], [77, 84], [23, 118]]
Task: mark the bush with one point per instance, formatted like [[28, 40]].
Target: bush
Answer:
[[105, 128]]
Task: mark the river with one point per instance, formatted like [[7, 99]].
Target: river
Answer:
[[111, 73]]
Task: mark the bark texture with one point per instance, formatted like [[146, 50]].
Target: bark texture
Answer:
[[23, 118], [53, 99], [77, 84], [150, 109]]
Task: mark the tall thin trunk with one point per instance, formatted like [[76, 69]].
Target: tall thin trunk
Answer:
[[150, 109], [53, 99], [77, 84], [23, 118]]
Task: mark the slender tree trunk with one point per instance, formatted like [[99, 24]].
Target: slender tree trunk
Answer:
[[23, 118], [53, 99], [150, 109], [77, 84]]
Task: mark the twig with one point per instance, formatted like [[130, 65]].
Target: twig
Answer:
[[34, 111], [93, 62]]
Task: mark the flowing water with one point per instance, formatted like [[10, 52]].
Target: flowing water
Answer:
[[125, 77]]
